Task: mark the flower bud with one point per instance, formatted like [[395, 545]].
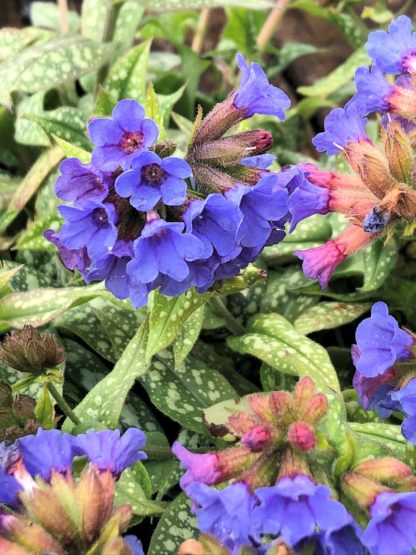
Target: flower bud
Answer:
[[398, 150], [257, 438], [282, 407], [31, 536], [292, 464], [7, 547], [387, 471], [315, 409], [221, 118], [280, 548], [116, 546], [191, 547], [211, 179], [361, 489], [28, 350], [164, 149], [302, 436]]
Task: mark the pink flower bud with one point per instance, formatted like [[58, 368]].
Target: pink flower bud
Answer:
[[301, 436], [257, 438]]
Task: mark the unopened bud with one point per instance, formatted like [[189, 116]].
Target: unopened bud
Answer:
[[165, 149], [387, 471], [398, 150], [403, 102], [221, 118], [304, 391], [292, 464], [361, 489], [400, 202], [211, 179], [302, 436], [240, 423], [316, 409], [282, 407], [7, 548], [191, 547], [280, 548], [28, 350], [257, 438], [29, 535], [116, 546]]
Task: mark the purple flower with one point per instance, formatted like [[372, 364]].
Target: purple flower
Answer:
[[233, 267], [134, 544], [200, 467], [162, 248], [342, 126], [152, 179], [376, 220], [9, 489], [73, 259], [373, 393], [256, 95], [80, 182], [394, 50], [92, 226], [107, 450], [226, 513], [344, 540], [46, 451], [261, 205], [380, 342], [112, 267], [392, 526], [296, 509], [215, 221], [261, 162], [373, 90], [406, 399], [306, 199], [120, 137]]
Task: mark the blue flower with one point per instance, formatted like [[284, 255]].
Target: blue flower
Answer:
[[394, 50], [373, 90], [233, 267], [261, 205], [163, 248], [112, 267], [392, 525], [261, 162], [380, 342], [120, 137], [345, 540], [107, 450], [73, 259], [152, 179], [91, 226], [134, 544], [256, 95], [46, 451], [199, 466], [306, 199], [296, 509], [342, 126], [376, 220], [406, 400], [226, 514], [215, 221], [80, 182], [9, 489], [373, 393]]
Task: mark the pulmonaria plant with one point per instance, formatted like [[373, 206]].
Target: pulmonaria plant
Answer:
[[379, 193], [46, 508], [140, 218], [384, 357]]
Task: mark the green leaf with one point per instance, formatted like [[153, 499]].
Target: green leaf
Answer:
[[187, 335], [182, 393], [66, 123], [242, 29], [388, 436], [290, 52], [32, 238], [337, 78], [130, 490], [128, 18], [30, 184], [168, 101], [379, 260], [28, 132], [72, 151], [45, 14], [44, 411], [104, 403], [167, 316], [95, 16], [104, 104], [8, 185], [165, 5], [176, 525], [154, 111], [328, 315], [48, 65], [39, 306], [13, 40], [127, 77]]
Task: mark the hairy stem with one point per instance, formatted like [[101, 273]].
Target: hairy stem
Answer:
[[218, 306], [62, 404]]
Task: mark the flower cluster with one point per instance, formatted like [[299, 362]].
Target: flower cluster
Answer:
[[384, 359], [141, 219], [275, 492], [48, 510], [380, 191]]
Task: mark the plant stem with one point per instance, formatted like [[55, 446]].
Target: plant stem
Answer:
[[63, 15], [159, 453], [220, 309], [201, 29], [63, 405], [272, 23]]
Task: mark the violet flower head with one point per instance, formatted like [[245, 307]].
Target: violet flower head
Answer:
[[152, 179], [108, 450], [394, 50], [376, 220], [320, 262], [227, 514], [200, 467], [261, 162], [47, 451], [373, 393], [163, 248], [112, 267], [392, 525], [296, 509], [380, 342], [248, 254], [73, 259], [261, 206], [119, 138], [405, 398], [345, 540], [134, 544], [91, 226], [215, 221], [373, 90], [9, 489], [306, 199], [80, 182], [256, 95], [342, 126]]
